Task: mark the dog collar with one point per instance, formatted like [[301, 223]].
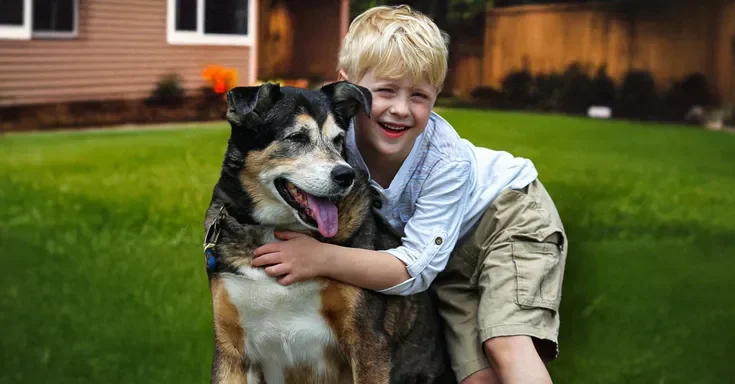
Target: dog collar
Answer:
[[210, 241]]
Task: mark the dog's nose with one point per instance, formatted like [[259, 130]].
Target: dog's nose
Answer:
[[343, 175]]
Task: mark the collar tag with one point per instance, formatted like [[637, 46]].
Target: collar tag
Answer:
[[210, 241]]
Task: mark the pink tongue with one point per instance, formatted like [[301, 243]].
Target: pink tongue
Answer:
[[325, 214]]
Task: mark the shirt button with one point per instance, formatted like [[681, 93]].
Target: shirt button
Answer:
[[438, 241]]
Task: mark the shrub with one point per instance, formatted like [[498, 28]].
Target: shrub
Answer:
[[489, 97], [576, 90], [686, 93], [168, 91], [603, 88], [518, 87], [548, 91], [638, 97]]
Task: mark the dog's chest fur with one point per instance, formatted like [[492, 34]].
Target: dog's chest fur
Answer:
[[283, 325]]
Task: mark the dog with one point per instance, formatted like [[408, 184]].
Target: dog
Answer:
[[285, 167]]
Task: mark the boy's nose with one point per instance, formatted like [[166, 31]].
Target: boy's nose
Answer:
[[399, 107]]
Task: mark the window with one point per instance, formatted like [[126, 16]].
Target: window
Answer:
[[55, 18], [218, 22], [23, 19]]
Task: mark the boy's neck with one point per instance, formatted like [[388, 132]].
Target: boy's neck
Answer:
[[383, 169]]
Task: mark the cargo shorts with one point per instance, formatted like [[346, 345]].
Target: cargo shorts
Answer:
[[505, 279]]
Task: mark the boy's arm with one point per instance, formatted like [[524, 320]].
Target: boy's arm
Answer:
[[431, 233], [300, 257], [374, 270], [430, 236]]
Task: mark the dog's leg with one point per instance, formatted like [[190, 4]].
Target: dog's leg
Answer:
[[370, 363], [229, 369], [230, 365]]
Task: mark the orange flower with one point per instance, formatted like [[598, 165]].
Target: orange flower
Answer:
[[221, 79]]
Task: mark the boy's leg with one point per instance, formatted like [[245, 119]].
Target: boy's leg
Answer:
[[523, 249], [458, 304], [504, 280]]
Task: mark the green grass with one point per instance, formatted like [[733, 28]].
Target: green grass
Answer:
[[103, 277]]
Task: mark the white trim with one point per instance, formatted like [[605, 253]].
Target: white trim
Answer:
[[253, 67], [20, 32], [58, 34], [198, 37]]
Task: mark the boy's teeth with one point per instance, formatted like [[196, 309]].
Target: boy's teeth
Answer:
[[393, 127]]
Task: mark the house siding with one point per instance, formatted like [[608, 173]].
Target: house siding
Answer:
[[120, 53]]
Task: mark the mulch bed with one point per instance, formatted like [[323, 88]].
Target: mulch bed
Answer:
[[85, 114]]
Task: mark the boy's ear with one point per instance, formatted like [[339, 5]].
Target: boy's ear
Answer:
[[247, 104], [348, 98]]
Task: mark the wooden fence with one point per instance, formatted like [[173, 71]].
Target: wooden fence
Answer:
[[670, 41]]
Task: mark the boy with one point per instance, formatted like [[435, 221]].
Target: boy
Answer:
[[499, 292]]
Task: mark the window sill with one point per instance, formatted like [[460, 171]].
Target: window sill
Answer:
[[54, 35], [14, 33], [180, 38]]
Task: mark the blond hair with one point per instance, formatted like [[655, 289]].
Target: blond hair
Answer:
[[395, 42]]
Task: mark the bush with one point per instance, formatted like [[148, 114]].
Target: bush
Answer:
[[489, 97], [518, 87], [576, 90], [692, 90], [603, 89], [548, 91], [638, 97], [168, 92]]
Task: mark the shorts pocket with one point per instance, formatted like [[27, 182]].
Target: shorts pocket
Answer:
[[539, 273]]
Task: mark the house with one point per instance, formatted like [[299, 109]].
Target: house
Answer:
[[56, 51]]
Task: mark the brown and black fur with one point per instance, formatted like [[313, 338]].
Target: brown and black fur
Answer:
[[380, 338]]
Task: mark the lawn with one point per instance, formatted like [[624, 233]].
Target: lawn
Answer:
[[103, 276]]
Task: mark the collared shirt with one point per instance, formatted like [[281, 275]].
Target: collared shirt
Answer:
[[439, 193]]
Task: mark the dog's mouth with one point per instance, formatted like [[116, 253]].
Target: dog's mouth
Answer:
[[317, 211]]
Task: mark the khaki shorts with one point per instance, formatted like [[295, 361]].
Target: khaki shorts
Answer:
[[505, 279]]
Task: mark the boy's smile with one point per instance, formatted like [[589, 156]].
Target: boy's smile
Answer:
[[394, 131]]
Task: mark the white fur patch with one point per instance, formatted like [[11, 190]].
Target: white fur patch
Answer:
[[330, 129], [283, 324]]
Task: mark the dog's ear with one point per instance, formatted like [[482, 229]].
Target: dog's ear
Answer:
[[348, 98], [245, 105]]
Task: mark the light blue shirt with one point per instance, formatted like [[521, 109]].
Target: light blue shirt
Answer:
[[438, 195]]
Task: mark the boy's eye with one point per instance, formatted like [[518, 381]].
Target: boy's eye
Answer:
[[421, 95], [385, 90]]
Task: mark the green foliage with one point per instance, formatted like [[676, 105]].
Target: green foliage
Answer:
[[574, 91], [168, 91]]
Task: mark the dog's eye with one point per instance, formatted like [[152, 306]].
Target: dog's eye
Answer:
[[298, 137], [339, 141]]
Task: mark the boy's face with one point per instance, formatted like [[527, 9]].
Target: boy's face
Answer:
[[400, 112]]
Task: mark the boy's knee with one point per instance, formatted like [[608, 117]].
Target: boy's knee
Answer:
[[485, 376], [503, 350], [515, 359]]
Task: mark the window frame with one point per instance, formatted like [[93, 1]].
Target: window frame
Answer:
[[199, 37], [26, 32], [60, 34], [19, 32]]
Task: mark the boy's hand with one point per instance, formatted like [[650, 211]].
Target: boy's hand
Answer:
[[298, 257]]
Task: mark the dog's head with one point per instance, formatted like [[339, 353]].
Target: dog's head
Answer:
[[285, 163]]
